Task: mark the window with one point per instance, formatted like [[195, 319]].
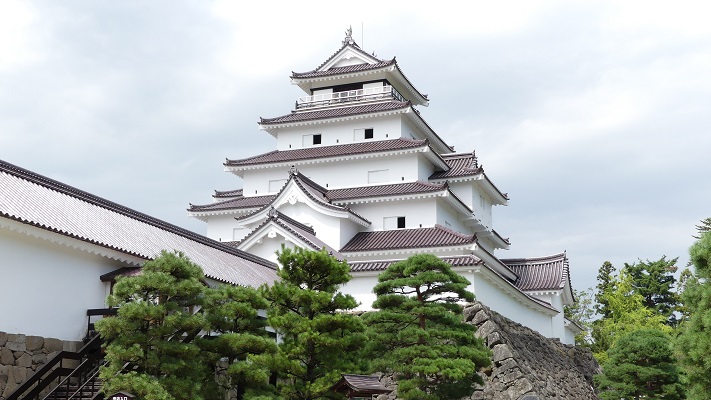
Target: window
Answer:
[[309, 140], [393, 223], [378, 176], [369, 133], [361, 134]]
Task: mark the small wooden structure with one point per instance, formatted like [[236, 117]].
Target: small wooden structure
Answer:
[[360, 386]]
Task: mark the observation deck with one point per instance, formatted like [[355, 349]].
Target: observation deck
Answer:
[[365, 95]]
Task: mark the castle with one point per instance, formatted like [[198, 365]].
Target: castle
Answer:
[[358, 171]]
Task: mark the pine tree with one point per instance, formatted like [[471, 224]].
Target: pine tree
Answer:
[[606, 279], [703, 227], [641, 365], [582, 312], [418, 332], [654, 280], [237, 333], [151, 351], [694, 342], [320, 339]]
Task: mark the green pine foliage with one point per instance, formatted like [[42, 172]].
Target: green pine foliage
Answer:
[[694, 342], [237, 333], [655, 281], [320, 339], [703, 227], [641, 365], [151, 353], [418, 333], [582, 312]]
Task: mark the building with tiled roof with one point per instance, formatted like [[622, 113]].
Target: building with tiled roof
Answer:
[[68, 244], [358, 171]]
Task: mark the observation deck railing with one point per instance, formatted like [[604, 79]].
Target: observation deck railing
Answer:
[[360, 95]]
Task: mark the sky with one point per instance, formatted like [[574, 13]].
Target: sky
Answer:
[[592, 115]]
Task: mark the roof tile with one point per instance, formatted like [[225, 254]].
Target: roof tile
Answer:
[[407, 239], [336, 112]]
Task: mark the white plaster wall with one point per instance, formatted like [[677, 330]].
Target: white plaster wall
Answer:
[[447, 214], [327, 228], [416, 212], [333, 175], [384, 128], [507, 306], [47, 288], [465, 192], [268, 247], [220, 227], [361, 287], [425, 168]]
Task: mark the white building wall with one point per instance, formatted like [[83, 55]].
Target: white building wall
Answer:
[[47, 287], [505, 305], [221, 228], [417, 212], [334, 175], [361, 287], [449, 217], [384, 128]]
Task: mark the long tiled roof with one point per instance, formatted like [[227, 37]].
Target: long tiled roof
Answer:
[[378, 265], [541, 273], [438, 236], [459, 165], [362, 384], [234, 204], [35, 200], [342, 70], [336, 112], [398, 189], [378, 146]]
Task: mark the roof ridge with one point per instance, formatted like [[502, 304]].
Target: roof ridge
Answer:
[[248, 158], [68, 190]]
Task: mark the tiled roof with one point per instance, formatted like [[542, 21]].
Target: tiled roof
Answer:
[[398, 189], [454, 261], [47, 204], [459, 165], [232, 204], [378, 146], [227, 193], [336, 112], [304, 232], [542, 273], [342, 70], [361, 384], [407, 239]]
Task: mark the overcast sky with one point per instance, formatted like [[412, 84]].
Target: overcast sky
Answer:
[[593, 116]]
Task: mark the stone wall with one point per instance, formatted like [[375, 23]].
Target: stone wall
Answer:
[[525, 365], [21, 356]]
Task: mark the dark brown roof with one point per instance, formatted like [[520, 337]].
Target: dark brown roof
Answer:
[[227, 193], [50, 205], [378, 146], [360, 384], [234, 204], [454, 261], [407, 239], [385, 190], [336, 112], [342, 70], [541, 273], [459, 165]]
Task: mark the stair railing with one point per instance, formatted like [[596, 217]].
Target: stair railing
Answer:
[[55, 369]]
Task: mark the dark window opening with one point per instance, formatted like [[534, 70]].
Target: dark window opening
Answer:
[[369, 133], [400, 222], [317, 139]]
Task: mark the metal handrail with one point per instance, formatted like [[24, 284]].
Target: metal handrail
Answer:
[[52, 370], [374, 93]]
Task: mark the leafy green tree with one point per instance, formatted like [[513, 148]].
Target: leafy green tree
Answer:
[[154, 330], [703, 227], [320, 339], [654, 280], [418, 332], [237, 332], [641, 365], [582, 312], [694, 342], [626, 313]]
